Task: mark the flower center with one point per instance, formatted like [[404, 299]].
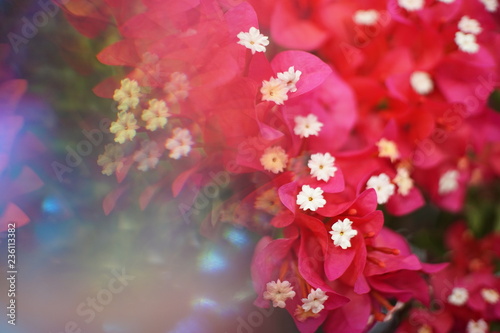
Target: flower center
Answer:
[[342, 232]]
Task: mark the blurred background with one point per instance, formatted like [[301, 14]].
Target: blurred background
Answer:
[[131, 271], [78, 269]]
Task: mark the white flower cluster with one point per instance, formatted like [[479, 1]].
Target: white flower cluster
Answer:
[[112, 159], [180, 143], [276, 89], [466, 37], [278, 292]]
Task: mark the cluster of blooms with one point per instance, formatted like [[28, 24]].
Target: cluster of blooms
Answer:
[[401, 58], [155, 117], [313, 145], [466, 294]]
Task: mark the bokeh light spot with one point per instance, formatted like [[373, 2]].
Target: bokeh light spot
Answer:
[[237, 237], [211, 261], [51, 205]]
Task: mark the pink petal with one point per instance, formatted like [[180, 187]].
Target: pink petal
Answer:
[[12, 214], [171, 7], [350, 318], [283, 219], [336, 204], [109, 202], [365, 203], [241, 18], [338, 260], [147, 195], [27, 181], [314, 70], [260, 68], [122, 53], [288, 195], [403, 285], [268, 256], [122, 172], [334, 185], [181, 180], [399, 205], [288, 30]]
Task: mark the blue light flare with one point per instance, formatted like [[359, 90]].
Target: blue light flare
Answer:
[[237, 237], [204, 303], [52, 205], [212, 261]]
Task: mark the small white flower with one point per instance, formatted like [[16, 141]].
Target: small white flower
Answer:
[[112, 159], [342, 232], [466, 42], [468, 25], [490, 295], [383, 186], [156, 115], [366, 17], [314, 301], [305, 126], [403, 181], [421, 82], [458, 296], [148, 156], [290, 78], [274, 159], [128, 94], [177, 89], [387, 148], [490, 5], [180, 143], [274, 90], [279, 292], [322, 166], [253, 40], [479, 326], [310, 198], [448, 182], [124, 128], [411, 5]]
